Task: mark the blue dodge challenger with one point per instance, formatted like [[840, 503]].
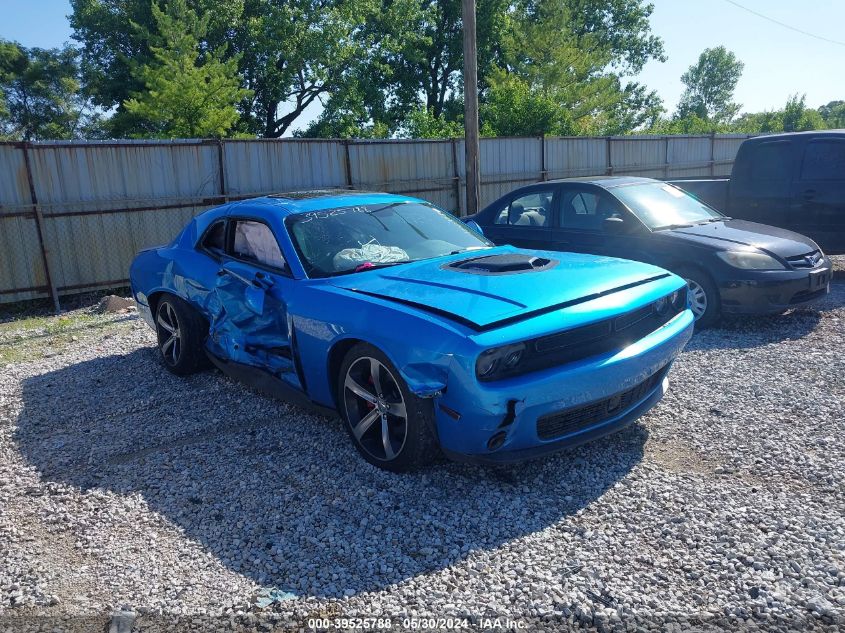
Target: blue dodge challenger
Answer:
[[420, 333]]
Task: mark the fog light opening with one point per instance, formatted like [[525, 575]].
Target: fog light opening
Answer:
[[495, 442]]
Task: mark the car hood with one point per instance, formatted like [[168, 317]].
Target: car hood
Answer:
[[742, 233], [484, 301]]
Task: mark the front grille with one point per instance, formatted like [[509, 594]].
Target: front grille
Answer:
[[807, 260], [569, 421]]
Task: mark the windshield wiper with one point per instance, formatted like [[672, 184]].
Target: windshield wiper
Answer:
[[673, 226], [468, 248]]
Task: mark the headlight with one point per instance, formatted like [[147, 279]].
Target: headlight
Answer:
[[498, 361], [750, 260], [679, 299]]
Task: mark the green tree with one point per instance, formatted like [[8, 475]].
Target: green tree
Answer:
[[185, 96], [415, 59], [514, 108], [422, 123], [710, 86], [290, 53], [577, 71], [833, 114], [39, 94], [794, 117]]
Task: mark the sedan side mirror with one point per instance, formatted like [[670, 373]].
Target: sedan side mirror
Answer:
[[475, 226], [614, 225]]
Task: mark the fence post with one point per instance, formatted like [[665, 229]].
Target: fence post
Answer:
[[221, 169], [666, 160], [609, 166], [543, 157], [712, 154], [456, 176], [348, 164], [39, 226]]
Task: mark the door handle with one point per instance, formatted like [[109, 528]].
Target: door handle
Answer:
[[809, 194]]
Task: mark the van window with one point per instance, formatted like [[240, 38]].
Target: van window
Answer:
[[824, 160], [771, 161]]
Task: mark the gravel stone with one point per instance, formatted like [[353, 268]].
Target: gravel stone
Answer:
[[185, 501]]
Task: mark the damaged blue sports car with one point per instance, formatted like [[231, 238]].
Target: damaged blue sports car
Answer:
[[420, 333]]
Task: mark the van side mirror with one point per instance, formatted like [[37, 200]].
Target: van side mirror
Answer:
[[614, 225]]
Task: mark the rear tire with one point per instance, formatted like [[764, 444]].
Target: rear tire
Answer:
[[181, 333], [704, 297], [390, 426]]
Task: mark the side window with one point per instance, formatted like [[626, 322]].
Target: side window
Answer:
[[824, 160], [586, 210], [255, 242], [771, 161], [215, 239], [532, 209]]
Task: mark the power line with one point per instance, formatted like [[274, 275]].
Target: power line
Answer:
[[786, 26]]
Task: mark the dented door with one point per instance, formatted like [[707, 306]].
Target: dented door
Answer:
[[250, 323]]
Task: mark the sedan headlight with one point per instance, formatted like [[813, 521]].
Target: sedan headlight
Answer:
[[498, 361], [750, 260]]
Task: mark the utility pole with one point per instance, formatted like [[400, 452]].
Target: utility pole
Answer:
[[471, 107]]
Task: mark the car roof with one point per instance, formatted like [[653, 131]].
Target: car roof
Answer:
[[293, 202], [786, 135], [606, 182]]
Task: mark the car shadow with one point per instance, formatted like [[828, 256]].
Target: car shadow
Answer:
[[746, 332], [278, 494]]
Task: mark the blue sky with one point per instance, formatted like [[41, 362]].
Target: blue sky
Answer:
[[778, 62]]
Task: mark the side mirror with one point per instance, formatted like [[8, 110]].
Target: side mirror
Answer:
[[254, 298], [614, 225], [475, 226]]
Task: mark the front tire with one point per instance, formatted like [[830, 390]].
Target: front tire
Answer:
[[705, 302], [181, 333], [389, 425]]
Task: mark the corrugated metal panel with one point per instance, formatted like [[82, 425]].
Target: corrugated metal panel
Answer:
[[689, 156], [21, 265], [419, 168], [103, 176], [575, 156], [261, 167], [638, 156], [724, 152], [508, 163]]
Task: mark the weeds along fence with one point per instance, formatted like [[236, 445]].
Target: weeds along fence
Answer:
[[73, 214]]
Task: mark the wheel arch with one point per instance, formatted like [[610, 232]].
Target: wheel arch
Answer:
[[156, 296], [334, 360]]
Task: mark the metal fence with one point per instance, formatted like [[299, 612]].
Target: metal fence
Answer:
[[73, 214]]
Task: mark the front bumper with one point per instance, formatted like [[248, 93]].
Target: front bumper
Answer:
[[512, 408], [771, 292]]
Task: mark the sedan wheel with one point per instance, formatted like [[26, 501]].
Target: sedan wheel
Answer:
[[703, 297], [697, 297], [375, 409], [169, 334]]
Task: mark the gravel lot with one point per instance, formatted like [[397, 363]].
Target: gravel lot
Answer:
[[122, 486]]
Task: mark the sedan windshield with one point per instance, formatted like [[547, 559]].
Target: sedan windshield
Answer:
[[662, 206], [354, 239]]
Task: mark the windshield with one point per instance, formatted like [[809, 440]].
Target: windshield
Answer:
[[662, 206], [353, 239]]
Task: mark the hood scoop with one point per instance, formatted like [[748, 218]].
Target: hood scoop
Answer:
[[501, 264]]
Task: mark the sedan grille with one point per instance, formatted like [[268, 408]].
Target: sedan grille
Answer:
[[807, 260], [569, 421]]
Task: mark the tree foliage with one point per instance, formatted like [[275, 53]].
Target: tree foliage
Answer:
[[40, 94], [183, 95], [710, 86]]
